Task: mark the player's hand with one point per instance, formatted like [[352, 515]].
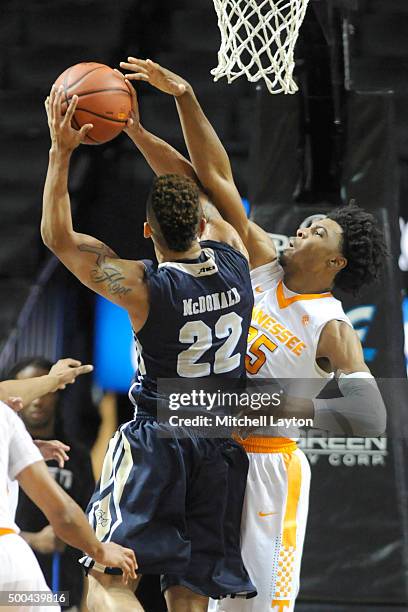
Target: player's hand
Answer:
[[63, 136], [67, 370], [46, 542], [15, 403], [156, 75], [113, 555], [133, 123], [53, 449]]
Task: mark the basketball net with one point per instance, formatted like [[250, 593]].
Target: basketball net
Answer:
[[258, 38]]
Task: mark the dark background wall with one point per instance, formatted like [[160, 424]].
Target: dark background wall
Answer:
[[344, 135]]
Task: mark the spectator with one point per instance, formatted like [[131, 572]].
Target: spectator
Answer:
[[43, 421]]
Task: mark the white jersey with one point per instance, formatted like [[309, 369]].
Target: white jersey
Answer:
[[286, 327], [283, 340], [17, 451]]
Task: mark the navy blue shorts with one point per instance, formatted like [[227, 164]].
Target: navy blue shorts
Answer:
[[177, 502]]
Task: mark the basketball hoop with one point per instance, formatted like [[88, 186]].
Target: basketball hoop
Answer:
[[258, 38]]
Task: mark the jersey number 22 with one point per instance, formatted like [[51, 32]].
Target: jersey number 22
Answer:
[[199, 335]]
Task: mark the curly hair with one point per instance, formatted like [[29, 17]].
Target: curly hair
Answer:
[[363, 245], [174, 201]]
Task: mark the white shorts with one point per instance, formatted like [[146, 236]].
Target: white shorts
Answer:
[[19, 571], [273, 527]]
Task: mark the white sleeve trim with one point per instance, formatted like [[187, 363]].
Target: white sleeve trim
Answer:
[[23, 464], [22, 451]]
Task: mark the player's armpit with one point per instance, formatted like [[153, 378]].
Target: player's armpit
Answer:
[[340, 344], [121, 281], [224, 195], [221, 231]]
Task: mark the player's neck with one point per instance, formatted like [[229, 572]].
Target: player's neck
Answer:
[[168, 255], [303, 283]]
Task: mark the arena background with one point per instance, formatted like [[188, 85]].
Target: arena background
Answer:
[[343, 136]]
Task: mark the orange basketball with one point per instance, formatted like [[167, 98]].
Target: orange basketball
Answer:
[[104, 100]]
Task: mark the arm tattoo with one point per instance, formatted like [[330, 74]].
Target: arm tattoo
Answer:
[[107, 274], [101, 251]]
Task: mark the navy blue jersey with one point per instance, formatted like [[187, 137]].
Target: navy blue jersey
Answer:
[[200, 312]]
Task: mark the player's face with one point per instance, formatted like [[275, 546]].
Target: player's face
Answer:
[[315, 248], [41, 411]]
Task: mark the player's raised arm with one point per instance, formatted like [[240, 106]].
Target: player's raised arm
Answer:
[[165, 159], [63, 373], [209, 158], [361, 410], [68, 520], [95, 264], [161, 156]]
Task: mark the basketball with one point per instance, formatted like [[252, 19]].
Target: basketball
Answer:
[[103, 99]]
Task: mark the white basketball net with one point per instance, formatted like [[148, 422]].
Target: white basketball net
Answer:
[[258, 38]]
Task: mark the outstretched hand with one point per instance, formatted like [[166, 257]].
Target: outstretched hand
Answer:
[[156, 75], [133, 122], [63, 136], [53, 449], [67, 370]]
